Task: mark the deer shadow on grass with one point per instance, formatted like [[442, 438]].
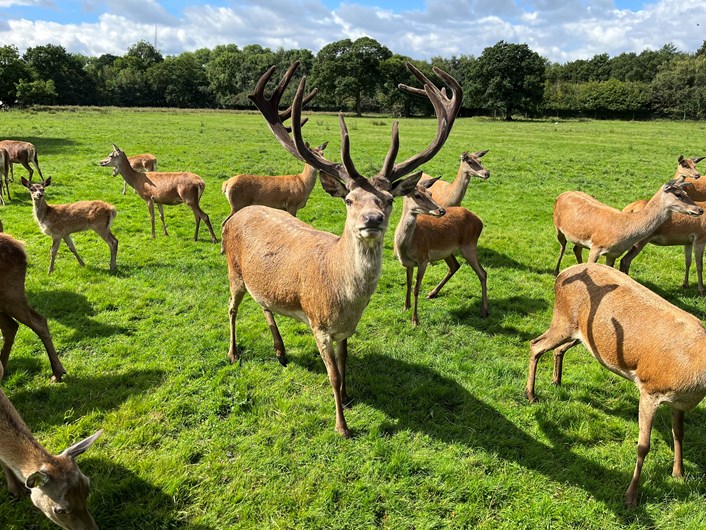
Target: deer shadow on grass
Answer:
[[44, 145]]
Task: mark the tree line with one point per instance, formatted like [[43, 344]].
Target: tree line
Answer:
[[361, 76]]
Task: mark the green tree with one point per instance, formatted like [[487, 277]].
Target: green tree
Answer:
[[12, 70], [36, 92], [72, 84], [509, 78], [679, 90], [182, 81]]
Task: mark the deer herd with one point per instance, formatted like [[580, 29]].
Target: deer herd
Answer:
[[326, 281]]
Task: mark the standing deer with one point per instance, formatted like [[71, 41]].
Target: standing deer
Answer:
[[55, 483], [163, 188], [451, 194], [59, 221], [4, 173], [284, 192], [22, 153], [588, 223], [15, 308], [636, 334], [686, 168], [326, 281], [144, 162], [436, 234]]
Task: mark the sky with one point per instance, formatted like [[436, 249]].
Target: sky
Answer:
[[559, 30]]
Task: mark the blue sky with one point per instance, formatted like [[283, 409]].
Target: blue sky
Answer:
[[560, 30]]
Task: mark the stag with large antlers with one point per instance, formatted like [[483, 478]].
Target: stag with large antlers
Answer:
[[326, 281]]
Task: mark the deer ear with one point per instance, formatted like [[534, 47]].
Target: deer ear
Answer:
[[481, 154], [47, 182], [406, 185], [697, 159], [426, 184], [680, 160], [332, 185], [25, 183], [81, 447], [37, 479]]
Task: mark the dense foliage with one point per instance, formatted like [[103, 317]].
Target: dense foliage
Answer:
[[361, 76]]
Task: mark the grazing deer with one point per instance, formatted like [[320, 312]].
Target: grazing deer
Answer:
[[436, 234], [163, 188], [451, 194], [22, 153], [636, 334], [144, 162], [59, 221], [15, 308], [284, 192], [4, 173], [55, 483], [588, 223], [326, 281]]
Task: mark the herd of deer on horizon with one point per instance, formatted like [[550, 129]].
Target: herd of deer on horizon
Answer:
[[326, 281]]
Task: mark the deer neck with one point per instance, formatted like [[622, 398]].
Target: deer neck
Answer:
[[404, 233], [308, 178], [457, 188], [647, 220], [40, 209], [358, 262], [19, 450], [130, 175]]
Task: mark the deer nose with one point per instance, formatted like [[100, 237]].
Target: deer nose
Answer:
[[371, 220], [442, 211]]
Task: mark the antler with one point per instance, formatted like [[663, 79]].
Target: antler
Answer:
[[446, 110], [294, 143]]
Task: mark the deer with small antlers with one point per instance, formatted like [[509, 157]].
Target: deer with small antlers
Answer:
[[427, 233], [15, 308], [284, 192], [324, 280], [144, 162], [59, 221], [22, 153], [160, 188], [452, 193], [609, 232], [635, 334]]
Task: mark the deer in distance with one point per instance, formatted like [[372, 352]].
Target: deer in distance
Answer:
[[15, 308], [144, 162], [635, 334], [452, 193], [4, 174], [609, 232], [22, 153], [321, 279], [55, 483], [59, 221], [428, 232], [284, 192], [160, 188]]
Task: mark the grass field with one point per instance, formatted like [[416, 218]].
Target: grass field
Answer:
[[442, 434]]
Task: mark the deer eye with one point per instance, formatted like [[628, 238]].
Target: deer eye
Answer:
[[58, 510], [348, 202]]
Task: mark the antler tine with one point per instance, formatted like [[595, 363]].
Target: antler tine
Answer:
[[387, 166], [346, 150], [446, 110], [287, 113]]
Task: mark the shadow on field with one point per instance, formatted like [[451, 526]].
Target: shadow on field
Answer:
[[74, 311], [80, 395], [492, 258], [44, 145], [423, 401]]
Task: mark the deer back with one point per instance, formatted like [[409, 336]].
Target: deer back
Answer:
[[442, 236], [22, 152]]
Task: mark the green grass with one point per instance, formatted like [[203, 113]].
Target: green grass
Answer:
[[442, 434]]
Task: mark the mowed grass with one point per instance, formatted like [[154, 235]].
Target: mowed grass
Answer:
[[442, 434]]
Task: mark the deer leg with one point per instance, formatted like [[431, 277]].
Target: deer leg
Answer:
[[453, 265], [37, 323], [124, 186], [648, 407], [200, 214], [12, 173], [72, 248], [8, 327], [562, 243], [559, 360], [276, 337], [325, 344], [54, 249], [112, 241], [470, 253], [549, 340], [408, 293], [678, 433], [421, 269], [160, 207], [687, 265], [594, 254], [341, 357], [610, 260], [36, 164], [237, 292], [630, 255], [699, 252], [578, 252], [29, 169], [150, 207]]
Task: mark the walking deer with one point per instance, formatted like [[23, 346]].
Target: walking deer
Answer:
[[324, 280], [636, 334], [588, 223], [427, 233], [59, 221], [4, 174], [15, 308], [22, 153], [284, 192], [162, 188], [144, 162], [451, 194], [55, 483]]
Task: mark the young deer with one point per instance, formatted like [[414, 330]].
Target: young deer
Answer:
[[22, 153], [163, 188], [55, 483], [588, 223], [144, 162], [437, 234], [4, 174], [633, 333], [59, 221], [451, 194], [292, 269], [284, 192], [15, 308]]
